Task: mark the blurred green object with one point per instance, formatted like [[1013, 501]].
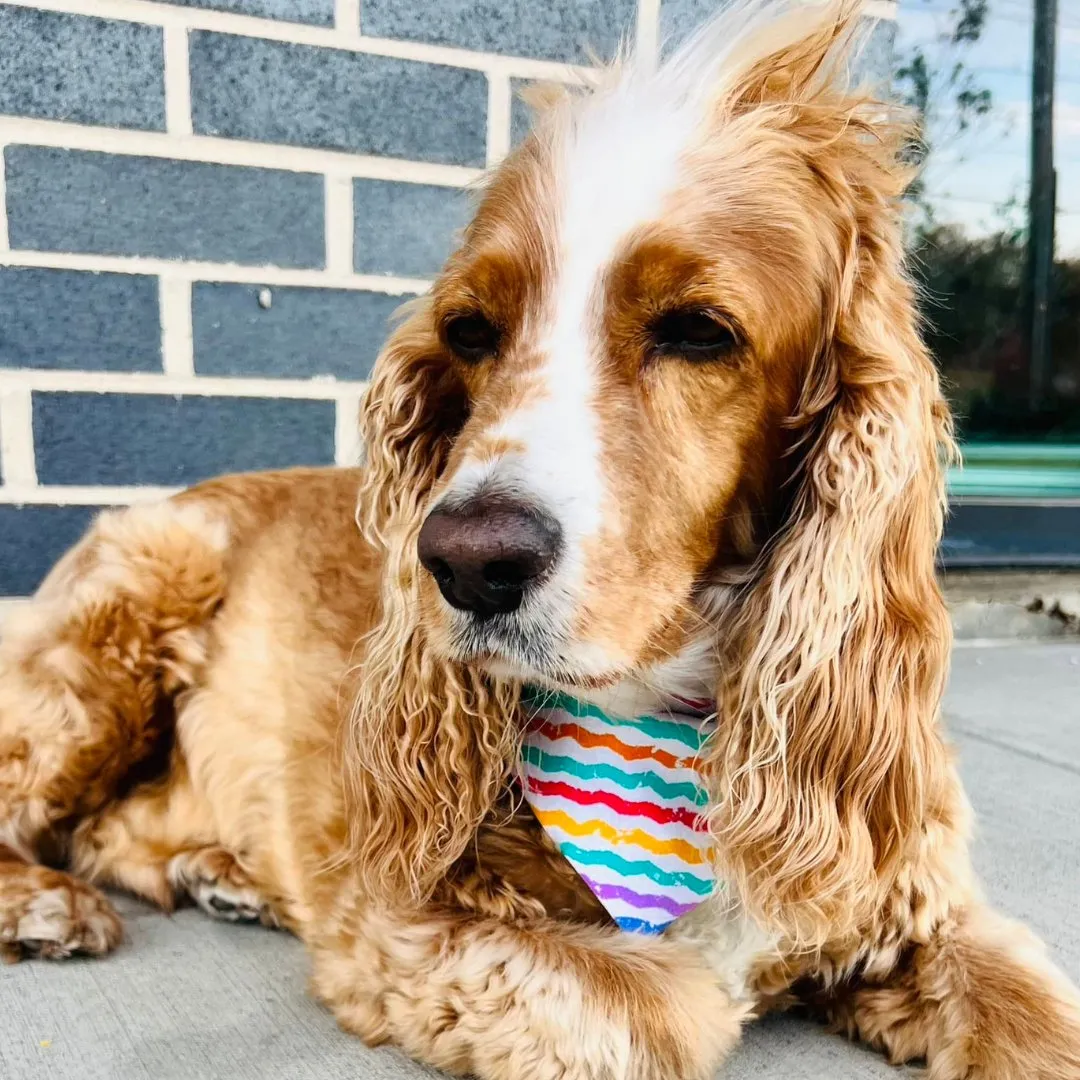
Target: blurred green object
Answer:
[[1017, 470]]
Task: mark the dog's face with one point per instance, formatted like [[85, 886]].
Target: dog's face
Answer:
[[678, 339], [631, 316]]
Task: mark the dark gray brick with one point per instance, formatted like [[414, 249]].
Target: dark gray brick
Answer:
[[317, 12], [170, 439], [73, 200], [521, 115], [89, 71], [248, 88], [552, 30], [79, 321], [679, 18], [304, 332], [875, 62], [32, 538], [406, 229]]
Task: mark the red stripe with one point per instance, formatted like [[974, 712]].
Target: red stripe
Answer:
[[661, 815], [703, 705]]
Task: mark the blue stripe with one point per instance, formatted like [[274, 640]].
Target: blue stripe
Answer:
[[639, 926]]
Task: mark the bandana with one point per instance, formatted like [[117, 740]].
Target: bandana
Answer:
[[622, 800]]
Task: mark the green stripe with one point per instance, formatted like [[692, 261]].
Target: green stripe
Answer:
[[1017, 470], [550, 764], [629, 867], [652, 726]]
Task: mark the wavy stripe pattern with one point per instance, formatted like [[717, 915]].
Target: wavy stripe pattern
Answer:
[[622, 799]]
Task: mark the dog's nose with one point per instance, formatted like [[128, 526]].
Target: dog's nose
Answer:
[[485, 553]]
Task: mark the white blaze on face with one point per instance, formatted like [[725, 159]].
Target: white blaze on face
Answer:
[[617, 161]]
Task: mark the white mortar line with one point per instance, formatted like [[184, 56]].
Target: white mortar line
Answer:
[[347, 430], [177, 345], [81, 496], [206, 148], [339, 224], [498, 119], [319, 388], [882, 9], [648, 28], [196, 18], [9, 605], [177, 82], [347, 18], [226, 272], [17, 434]]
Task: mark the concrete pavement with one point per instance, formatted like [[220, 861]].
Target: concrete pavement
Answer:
[[189, 999]]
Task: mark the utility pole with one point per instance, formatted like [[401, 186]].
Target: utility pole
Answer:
[[1041, 206]]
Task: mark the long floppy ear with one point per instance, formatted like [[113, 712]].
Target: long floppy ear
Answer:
[[425, 753], [826, 756]]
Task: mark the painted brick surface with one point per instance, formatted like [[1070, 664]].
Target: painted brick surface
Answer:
[[875, 62], [32, 538], [164, 440], [303, 333], [71, 200], [318, 12], [405, 229], [83, 70], [273, 92], [520, 113], [78, 321], [679, 18], [566, 30]]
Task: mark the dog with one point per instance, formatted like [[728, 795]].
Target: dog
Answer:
[[663, 428]]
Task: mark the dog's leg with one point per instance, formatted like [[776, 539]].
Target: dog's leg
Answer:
[[51, 914], [87, 674], [160, 843], [550, 1001], [219, 884], [979, 1001]]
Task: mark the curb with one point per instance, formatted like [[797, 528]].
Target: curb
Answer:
[[1013, 605]]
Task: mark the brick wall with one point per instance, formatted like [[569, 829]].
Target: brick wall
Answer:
[[208, 209]]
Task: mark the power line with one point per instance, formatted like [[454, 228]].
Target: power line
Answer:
[[994, 204]]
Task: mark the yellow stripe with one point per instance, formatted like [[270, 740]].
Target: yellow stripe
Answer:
[[560, 820]]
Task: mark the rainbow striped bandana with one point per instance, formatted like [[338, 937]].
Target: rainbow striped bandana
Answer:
[[622, 800]]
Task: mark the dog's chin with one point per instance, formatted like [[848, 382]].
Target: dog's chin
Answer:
[[549, 678], [504, 649]]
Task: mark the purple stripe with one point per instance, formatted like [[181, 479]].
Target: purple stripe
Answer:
[[636, 899]]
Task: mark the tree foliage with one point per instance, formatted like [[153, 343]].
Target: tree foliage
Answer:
[[973, 287]]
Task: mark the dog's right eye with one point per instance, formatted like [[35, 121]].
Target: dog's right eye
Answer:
[[472, 337]]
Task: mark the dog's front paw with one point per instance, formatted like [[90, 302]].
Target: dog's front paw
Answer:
[[214, 879], [53, 915]]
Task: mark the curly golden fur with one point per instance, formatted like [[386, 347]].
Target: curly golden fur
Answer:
[[240, 697]]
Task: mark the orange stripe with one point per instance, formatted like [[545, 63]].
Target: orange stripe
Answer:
[[560, 820], [591, 740]]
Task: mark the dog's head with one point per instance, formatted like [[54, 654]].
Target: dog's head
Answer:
[[677, 349]]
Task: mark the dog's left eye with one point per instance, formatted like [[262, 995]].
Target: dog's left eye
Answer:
[[472, 337], [698, 335]]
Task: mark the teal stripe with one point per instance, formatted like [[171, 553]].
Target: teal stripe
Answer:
[[629, 867], [687, 734], [549, 764]]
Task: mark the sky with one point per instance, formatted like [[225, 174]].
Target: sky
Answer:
[[972, 176]]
